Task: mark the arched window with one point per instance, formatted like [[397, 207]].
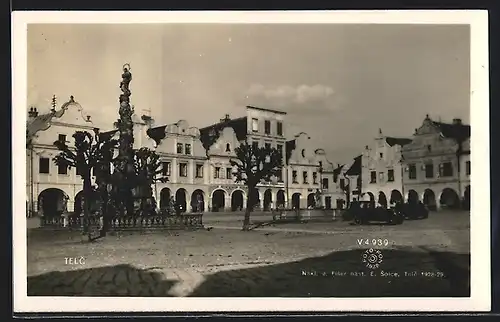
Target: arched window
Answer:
[[228, 147]]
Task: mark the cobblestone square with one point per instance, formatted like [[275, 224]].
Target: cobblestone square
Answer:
[[422, 258]]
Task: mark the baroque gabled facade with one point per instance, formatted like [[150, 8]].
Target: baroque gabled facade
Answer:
[[184, 163], [436, 164], [382, 169], [330, 189], [304, 175], [50, 187]]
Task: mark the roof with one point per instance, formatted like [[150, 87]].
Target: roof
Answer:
[[355, 168], [289, 147], [392, 141], [337, 171], [107, 135], [266, 109], [157, 133], [459, 132], [41, 123], [210, 134]]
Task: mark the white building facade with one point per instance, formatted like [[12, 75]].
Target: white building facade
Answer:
[[437, 165], [195, 161], [382, 170]]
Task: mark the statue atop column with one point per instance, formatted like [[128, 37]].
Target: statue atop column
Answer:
[[125, 171]]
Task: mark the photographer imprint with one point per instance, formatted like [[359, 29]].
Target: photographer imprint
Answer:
[[372, 258]]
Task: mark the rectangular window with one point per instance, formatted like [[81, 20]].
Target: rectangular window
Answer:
[[412, 171], [188, 149], [467, 168], [304, 177], [325, 183], [279, 175], [179, 148], [381, 177], [342, 184], [267, 127], [315, 178], [373, 177], [294, 176], [217, 173], [279, 128], [255, 125], [446, 169], [390, 175], [62, 138], [199, 171], [229, 173], [183, 169], [279, 147], [44, 165], [429, 170], [268, 146], [166, 168], [62, 169]]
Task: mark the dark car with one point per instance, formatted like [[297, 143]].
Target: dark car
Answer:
[[413, 210], [364, 212]]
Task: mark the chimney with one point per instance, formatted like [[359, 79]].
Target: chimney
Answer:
[[225, 119], [32, 113], [457, 121]]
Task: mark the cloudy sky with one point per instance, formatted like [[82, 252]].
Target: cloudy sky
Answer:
[[338, 83]]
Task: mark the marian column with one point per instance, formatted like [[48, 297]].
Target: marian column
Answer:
[[125, 160]]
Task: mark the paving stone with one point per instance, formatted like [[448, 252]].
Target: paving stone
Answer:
[[108, 276], [133, 277], [121, 278], [160, 289], [71, 277], [146, 277], [80, 282], [157, 276], [122, 291], [96, 277]]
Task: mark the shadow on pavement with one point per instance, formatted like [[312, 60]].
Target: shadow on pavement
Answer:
[[421, 273], [343, 274], [119, 280]]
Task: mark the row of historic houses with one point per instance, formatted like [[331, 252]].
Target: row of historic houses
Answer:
[[196, 162], [432, 167]]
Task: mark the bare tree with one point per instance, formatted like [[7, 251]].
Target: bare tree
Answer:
[[254, 165], [86, 155], [149, 170]]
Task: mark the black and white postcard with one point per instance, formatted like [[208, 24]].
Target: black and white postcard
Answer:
[[251, 161]]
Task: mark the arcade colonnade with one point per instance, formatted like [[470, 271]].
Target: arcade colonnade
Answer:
[[434, 199], [219, 199]]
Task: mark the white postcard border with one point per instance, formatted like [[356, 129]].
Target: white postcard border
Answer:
[[480, 198]]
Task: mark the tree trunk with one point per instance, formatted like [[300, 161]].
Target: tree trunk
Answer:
[[87, 193], [246, 221], [248, 210], [104, 210]]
